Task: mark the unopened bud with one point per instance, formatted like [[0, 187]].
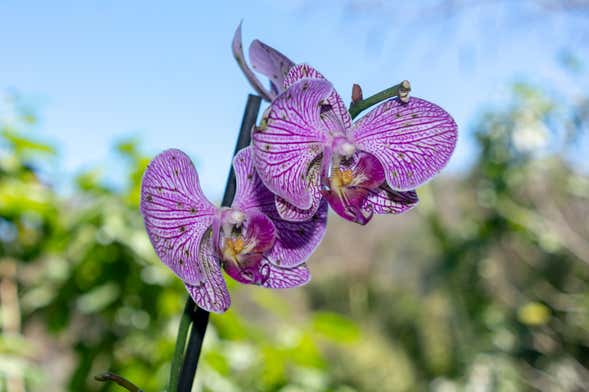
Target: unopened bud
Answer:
[[356, 93]]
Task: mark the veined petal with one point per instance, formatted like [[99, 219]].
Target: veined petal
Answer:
[[264, 273], [289, 138], [295, 241], [176, 213], [270, 62], [342, 116], [384, 200], [300, 72], [237, 48], [211, 292], [286, 278], [291, 213], [412, 141], [250, 193]]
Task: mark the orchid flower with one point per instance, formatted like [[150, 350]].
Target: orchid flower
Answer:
[[248, 240], [264, 59], [306, 149]]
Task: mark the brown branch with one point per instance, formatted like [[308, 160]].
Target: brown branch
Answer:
[[128, 385]]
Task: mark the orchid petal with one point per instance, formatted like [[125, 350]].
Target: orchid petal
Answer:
[[250, 190], [270, 62], [237, 47], [303, 71], [384, 200], [412, 141], [265, 274], [295, 241], [300, 72], [291, 213], [176, 213], [290, 137], [285, 278], [211, 292]]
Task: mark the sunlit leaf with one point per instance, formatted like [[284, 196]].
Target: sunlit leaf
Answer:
[[335, 327], [21, 143]]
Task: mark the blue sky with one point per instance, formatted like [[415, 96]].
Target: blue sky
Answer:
[[104, 70]]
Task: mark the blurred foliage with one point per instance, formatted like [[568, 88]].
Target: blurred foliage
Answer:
[[483, 286], [87, 294], [490, 282]]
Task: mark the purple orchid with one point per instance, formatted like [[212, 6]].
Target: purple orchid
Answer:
[[249, 239], [264, 59], [306, 149]]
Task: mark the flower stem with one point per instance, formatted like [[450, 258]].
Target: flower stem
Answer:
[[180, 345], [184, 364], [199, 318], [400, 90]]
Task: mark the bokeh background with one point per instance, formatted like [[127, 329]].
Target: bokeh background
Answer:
[[482, 287]]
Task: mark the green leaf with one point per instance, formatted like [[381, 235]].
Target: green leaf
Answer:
[[335, 327], [99, 298], [21, 143]]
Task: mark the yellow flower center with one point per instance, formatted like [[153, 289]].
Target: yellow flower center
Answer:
[[342, 178], [234, 246]]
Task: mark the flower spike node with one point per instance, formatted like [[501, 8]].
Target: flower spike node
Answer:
[[404, 90], [401, 91]]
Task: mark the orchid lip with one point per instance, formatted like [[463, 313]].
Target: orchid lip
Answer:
[[358, 216]]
